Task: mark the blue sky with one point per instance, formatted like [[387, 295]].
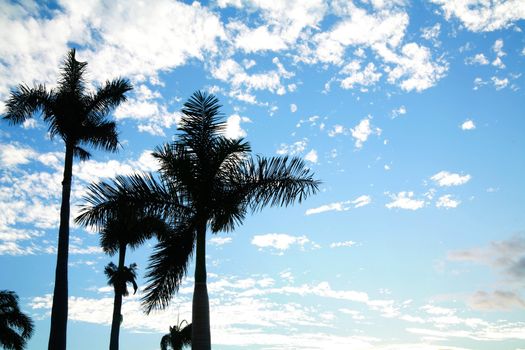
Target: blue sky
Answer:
[[411, 113]]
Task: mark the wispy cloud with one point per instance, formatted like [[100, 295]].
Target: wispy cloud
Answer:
[[446, 179], [360, 201], [405, 200]]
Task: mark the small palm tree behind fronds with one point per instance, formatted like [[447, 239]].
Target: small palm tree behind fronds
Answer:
[[119, 279], [177, 338], [15, 327]]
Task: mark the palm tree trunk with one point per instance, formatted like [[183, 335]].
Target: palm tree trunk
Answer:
[[201, 339], [117, 306], [58, 332]]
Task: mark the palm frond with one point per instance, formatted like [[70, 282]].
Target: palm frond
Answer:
[[167, 266], [108, 97], [140, 191], [276, 181], [72, 81], [24, 102], [201, 121], [81, 153], [100, 134]]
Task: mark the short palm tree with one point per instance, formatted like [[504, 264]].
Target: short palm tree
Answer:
[[207, 181], [15, 327], [125, 227], [119, 277], [177, 338], [79, 118]]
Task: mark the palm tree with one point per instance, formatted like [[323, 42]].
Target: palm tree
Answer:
[[207, 181], [177, 338], [15, 327], [119, 277], [79, 118], [126, 227]]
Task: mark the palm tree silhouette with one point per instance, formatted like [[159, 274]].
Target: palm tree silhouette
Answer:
[[15, 327], [119, 277], [79, 118], [123, 228], [206, 181], [177, 338]]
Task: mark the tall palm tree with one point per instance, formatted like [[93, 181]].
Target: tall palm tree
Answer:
[[207, 181], [177, 338], [125, 227], [15, 327], [79, 118]]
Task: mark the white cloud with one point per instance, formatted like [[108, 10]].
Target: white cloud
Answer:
[[233, 126], [477, 59], [431, 33], [119, 40], [152, 117], [362, 131], [15, 154], [399, 111], [468, 125], [445, 178], [218, 241], [336, 130], [279, 241], [405, 200], [499, 83], [447, 202], [355, 76], [342, 244], [480, 15], [311, 156], [413, 68], [233, 73], [295, 148], [360, 201]]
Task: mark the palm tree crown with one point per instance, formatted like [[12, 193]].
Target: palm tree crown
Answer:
[[178, 337], [74, 114], [15, 327], [206, 181], [79, 117]]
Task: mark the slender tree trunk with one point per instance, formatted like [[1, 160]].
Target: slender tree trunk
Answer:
[[200, 335], [117, 306], [58, 332]]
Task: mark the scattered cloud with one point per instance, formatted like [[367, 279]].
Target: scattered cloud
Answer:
[[447, 202], [405, 200], [218, 241], [399, 111], [293, 149], [233, 126], [355, 76], [499, 83], [362, 131], [279, 241], [445, 178], [311, 156], [342, 244], [477, 59], [483, 16], [360, 201], [468, 125]]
